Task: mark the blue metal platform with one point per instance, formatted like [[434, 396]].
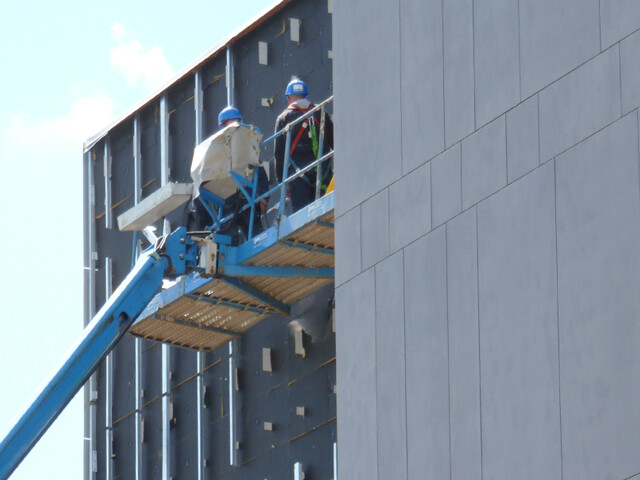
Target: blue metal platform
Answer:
[[255, 280]]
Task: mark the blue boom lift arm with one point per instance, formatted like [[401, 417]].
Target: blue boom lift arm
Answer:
[[172, 255]]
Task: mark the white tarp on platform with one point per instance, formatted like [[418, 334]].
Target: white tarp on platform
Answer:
[[236, 147]]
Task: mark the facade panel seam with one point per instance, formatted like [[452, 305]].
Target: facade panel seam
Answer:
[[542, 89], [473, 39], [638, 125], [375, 366], [587, 137], [519, 55], [430, 197], [406, 407], [400, 80], [444, 96], [361, 239], [541, 164], [446, 270], [600, 23], [555, 218], [479, 343], [506, 149], [620, 73], [538, 107]]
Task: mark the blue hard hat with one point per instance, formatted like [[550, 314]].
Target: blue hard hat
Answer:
[[296, 87], [229, 113]]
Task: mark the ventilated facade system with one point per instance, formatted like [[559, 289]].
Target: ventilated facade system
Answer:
[[256, 407], [488, 239]]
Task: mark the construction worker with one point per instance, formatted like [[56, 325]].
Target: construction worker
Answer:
[[305, 138], [239, 223]]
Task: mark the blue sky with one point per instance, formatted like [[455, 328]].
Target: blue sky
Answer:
[[68, 68]]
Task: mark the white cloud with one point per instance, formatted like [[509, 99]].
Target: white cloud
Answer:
[[86, 116], [139, 65]]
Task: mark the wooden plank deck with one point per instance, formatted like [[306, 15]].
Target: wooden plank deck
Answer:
[[216, 312]]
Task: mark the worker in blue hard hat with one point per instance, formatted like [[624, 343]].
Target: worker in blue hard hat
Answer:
[[239, 223], [229, 115], [232, 205], [305, 138]]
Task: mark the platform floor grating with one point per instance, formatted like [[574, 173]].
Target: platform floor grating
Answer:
[[207, 313]]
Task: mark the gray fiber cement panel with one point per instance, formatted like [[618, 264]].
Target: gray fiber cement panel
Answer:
[[425, 282], [630, 72], [579, 104], [446, 188], [375, 229], [356, 378], [459, 113], [369, 67], [390, 354], [422, 81], [347, 239], [523, 153], [599, 278], [519, 330], [484, 163], [618, 18], [555, 37], [464, 347], [497, 65], [410, 207]]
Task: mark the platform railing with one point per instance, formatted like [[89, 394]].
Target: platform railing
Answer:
[[248, 188]]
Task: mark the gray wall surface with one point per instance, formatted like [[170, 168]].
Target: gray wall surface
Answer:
[[488, 239]]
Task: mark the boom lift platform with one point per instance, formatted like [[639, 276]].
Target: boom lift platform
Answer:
[[220, 290], [261, 277]]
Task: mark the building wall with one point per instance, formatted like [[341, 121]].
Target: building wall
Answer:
[[488, 238], [158, 405]]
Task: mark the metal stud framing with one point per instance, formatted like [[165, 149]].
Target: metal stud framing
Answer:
[[166, 412], [137, 196], [166, 380], [91, 464], [233, 450], [233, 345], [164, 141], [200, 359], [108, 390], [137, 160], [108, 219], [230, 76]]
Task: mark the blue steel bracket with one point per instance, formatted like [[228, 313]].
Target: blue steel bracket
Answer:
[[180, 250], [174, 254]]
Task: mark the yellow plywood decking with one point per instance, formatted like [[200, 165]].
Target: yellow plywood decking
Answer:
[[196, 321], [291, 289], [216, 312]]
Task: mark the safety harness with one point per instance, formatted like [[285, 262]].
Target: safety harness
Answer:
[[311, 123]]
